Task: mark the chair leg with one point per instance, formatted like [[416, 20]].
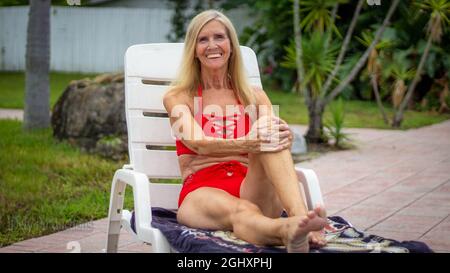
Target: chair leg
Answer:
[[115, 215], [160, 244]]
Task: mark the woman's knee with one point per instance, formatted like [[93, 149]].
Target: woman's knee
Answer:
[[245, 206], [183, 214], [207, 208], [242, 214]]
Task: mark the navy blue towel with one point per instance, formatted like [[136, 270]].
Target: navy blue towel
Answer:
[[340, 236]]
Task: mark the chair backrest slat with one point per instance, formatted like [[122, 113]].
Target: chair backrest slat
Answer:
[[157, 163], [151, 130], [165, 197], [157, 62], [145, 97]]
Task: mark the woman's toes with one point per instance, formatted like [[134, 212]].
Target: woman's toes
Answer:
[[320, 211], [303, 222], [311, 214]]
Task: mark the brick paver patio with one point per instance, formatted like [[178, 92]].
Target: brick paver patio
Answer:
[[396, 185]]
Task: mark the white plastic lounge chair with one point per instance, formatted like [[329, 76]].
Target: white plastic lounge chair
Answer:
[[148, 70]]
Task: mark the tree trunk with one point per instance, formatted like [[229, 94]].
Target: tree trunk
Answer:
[[37, 105], [343, 48], [333, 19], [373, 79], [398, 118], [298, 47], [364, 57], [315, 128]]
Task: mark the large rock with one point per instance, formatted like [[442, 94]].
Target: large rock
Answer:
[[299, 145], [91, 114]]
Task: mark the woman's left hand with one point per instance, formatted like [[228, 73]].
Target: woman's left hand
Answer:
[[286, 135], [277, 136]]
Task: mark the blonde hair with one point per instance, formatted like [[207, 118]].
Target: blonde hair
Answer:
[[189, 76]]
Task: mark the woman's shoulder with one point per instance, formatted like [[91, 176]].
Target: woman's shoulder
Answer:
[[175, 96], [260, 95]]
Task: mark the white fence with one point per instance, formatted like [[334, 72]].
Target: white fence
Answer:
[[83, 39], [89, 39]]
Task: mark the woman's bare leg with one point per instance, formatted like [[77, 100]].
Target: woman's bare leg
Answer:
[[274, 172], [272, 184], [211, 208], [258, 189]]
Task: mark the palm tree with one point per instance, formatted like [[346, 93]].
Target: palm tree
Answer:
[[439, 11], [400, 69], [374, 67], [318, 61], [37, 105], [319, 18]]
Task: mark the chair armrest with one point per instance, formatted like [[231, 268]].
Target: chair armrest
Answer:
[[141, 195], [311, 186], [142, 207]]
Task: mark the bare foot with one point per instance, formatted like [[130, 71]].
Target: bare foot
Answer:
[[317, 238], [296, 239]]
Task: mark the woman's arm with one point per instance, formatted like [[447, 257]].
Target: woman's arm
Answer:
[[191, 134], [281, 133]]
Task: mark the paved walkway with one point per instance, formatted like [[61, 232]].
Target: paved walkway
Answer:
[[11, 114], [396, 185]]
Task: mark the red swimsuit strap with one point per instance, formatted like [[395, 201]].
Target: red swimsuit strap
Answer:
[[200, 92]]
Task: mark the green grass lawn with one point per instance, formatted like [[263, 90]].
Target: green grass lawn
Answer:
[[12, 87], [359, 114], [47, 185]]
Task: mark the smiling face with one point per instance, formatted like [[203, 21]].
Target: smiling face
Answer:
[[213, 46]]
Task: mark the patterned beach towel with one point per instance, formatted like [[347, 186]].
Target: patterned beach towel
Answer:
[[341, 236]]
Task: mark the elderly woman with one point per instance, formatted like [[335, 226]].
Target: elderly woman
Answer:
[[236, 166]]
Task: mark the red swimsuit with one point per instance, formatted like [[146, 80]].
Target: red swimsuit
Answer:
[[226, 176]]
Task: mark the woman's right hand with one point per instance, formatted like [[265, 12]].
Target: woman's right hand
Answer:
[[271, 133]]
